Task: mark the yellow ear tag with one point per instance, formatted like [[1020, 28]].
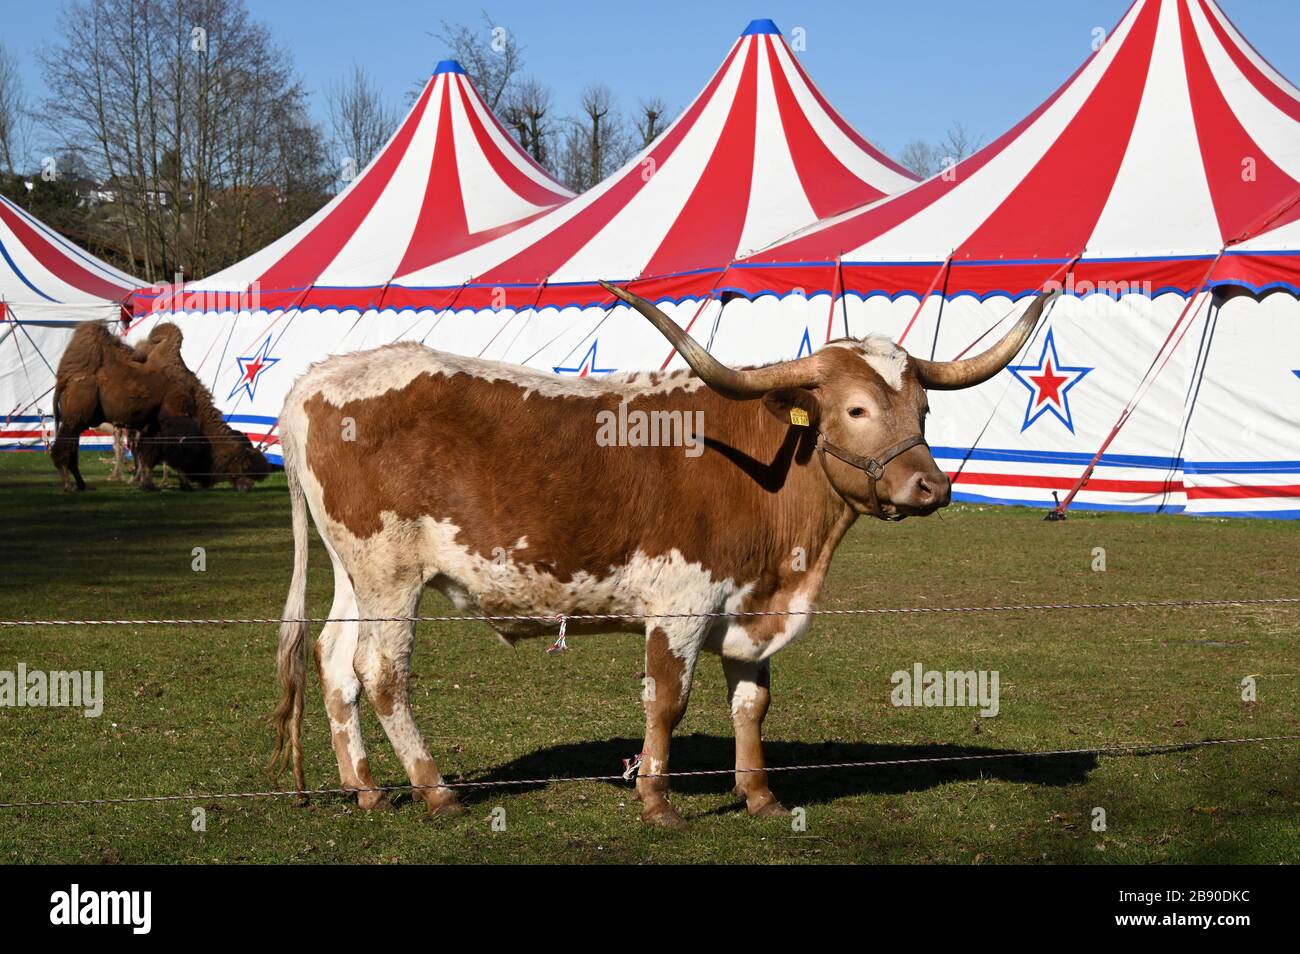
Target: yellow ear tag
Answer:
[[799, 416]]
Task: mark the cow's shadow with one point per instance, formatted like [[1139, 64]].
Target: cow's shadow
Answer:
[[703, 752]]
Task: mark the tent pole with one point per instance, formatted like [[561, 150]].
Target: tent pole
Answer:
[[698, 311], [541, 286], [1201, 364], [1060, 273], [1058, 513], [934, 283], [837, 289], [442, 310], [296, 310]]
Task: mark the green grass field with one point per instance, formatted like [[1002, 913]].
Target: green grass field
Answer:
[[184, 707]]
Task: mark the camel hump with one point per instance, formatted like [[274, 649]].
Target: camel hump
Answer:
[[162, 346], [87, 349]]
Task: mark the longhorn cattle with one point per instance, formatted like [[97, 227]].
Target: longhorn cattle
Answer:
[[489, 482]]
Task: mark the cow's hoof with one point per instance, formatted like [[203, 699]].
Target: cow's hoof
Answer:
[[372, 801], [768, 809], [664, 815], [447, 809]]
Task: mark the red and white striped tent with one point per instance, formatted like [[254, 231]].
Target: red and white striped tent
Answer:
[[1168, 163], [47, 287], [1174, 141], [758, 153], [449, 179]]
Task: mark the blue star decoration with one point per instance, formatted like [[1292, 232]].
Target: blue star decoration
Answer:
[[251, 369], [805, 346], [1296, 373], [587, 365], [1049, 383]]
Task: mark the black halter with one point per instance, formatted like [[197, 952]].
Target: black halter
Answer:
[[873, 467]]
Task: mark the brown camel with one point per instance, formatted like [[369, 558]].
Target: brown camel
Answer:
[[164, 343], [148, 390]]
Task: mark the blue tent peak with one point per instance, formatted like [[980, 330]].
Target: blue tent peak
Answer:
[[761, 26], [448, 66]]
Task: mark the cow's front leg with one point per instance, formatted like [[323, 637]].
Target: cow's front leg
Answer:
[[749, 693], [383, 663], [669, 667]]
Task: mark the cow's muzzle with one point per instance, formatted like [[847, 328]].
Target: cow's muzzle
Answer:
[[923, 493]]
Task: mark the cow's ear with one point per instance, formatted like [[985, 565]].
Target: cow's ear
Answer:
[[797, 406]]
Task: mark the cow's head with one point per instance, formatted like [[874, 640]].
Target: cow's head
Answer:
[[865, 399]]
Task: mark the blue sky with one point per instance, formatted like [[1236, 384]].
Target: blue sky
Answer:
[[898, 71]]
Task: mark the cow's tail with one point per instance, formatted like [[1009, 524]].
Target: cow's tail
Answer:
[[291, 657]]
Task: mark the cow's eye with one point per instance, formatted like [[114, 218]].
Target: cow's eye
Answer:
[[857, 412]]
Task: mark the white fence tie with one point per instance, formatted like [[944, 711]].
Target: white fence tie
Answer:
[[631, 765], [559, 645]]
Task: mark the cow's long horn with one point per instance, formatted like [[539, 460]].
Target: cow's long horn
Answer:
[[729, 382], [954, 375]]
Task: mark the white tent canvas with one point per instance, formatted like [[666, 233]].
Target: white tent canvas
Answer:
[[48, 287]]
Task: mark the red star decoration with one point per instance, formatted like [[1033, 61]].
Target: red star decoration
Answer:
[[1049, 384], [251, 368]]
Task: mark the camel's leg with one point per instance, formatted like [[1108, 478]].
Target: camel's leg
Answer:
[[119, 453], [146, 477], [147, 453], [137, 466], [67, 444]]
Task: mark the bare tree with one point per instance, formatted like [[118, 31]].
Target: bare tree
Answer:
[[920, 158], [650, 123], [526, 112], [597, 103], [13, 112], [926, 158], [193, 116], [490, 54], [595, 142], [959, 142], [360, 120]]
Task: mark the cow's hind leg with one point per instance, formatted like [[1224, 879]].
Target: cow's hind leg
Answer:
[[383, 662], [341, 688], [669, 667], [749, 693]]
